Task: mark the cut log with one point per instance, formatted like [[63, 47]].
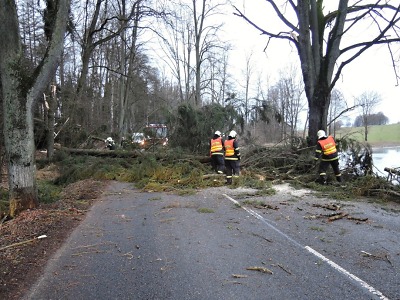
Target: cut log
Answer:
[[395, 171], [96, 152]]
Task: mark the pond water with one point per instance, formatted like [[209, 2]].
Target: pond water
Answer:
[[388, 157]]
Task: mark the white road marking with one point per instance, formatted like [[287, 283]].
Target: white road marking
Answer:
[[335, 266]]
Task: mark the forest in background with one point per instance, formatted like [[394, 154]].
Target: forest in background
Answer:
[[107, 83], [110, 84]]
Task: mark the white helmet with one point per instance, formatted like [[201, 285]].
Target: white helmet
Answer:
[[218, 133], [232, 134], [321, 134]]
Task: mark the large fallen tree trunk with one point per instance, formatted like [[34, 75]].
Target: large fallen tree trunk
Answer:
[[97, 152], [395, 171], [124, 153]]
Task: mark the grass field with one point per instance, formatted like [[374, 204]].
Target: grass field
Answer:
[[382, 135]]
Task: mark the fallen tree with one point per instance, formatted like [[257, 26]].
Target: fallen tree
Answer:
[[100, 152], [127, 153]]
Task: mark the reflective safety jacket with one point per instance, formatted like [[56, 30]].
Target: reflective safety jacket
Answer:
[[326, 148], [231, 150], [217, 146]]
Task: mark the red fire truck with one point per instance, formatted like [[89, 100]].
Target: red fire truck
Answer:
[[156, 134]]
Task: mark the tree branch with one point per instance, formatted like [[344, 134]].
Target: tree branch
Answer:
[[279, 35], [341, 113]]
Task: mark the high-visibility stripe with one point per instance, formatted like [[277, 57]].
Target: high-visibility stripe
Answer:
[[216, 145], [231, 158], [229, 150], [328, 145]]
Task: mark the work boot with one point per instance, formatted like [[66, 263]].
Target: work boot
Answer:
[[322, 180], [229, 181]]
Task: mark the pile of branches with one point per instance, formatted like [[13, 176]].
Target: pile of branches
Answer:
[[298, 164], [279, 161]]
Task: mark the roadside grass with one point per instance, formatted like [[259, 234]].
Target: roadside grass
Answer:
[[259, 204], [377, 134], [316, 228], [205, 210], [254, 202], [48, 192]]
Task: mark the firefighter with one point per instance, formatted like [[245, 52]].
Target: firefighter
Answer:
[[110, 144], [232, 157], [217, 153], [326, 150]]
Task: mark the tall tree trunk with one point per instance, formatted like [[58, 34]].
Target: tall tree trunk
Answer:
[[318, 112], [20, 150], [366, 132], [126, 81], [19, 96], [198, 31], [51, 120]]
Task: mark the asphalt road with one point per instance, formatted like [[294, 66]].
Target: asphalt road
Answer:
[[217, 245]]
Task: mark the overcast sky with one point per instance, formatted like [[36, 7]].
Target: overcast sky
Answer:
[[372, 71]]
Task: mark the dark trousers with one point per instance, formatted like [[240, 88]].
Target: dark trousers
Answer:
[[232, 169], [323, 167], [217, 163]]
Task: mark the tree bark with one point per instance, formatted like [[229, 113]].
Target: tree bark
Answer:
[[51, 121], [318, 112], [20, 91]]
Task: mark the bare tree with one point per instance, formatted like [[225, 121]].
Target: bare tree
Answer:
[[177, 47], [320, 37], [127, 54], [20, 91], [367, 102], [248, 73], [101, 25], [204, 37], [338, 104], [191, 43], [291, 101]]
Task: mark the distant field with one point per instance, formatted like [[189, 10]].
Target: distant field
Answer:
[[377, 135]]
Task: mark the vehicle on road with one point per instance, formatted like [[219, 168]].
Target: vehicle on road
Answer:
[[156, 134], [138, 138]]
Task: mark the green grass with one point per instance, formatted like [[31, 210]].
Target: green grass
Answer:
[[48, 191], [205, 210], [377, 134]]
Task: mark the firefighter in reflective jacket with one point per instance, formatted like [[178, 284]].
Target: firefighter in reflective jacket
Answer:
[[217, 153], [232, 157], [326, 150]]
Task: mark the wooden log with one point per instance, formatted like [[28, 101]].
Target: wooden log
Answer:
[[123, 153], [101, 152], [392, 170], [337, 217]]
